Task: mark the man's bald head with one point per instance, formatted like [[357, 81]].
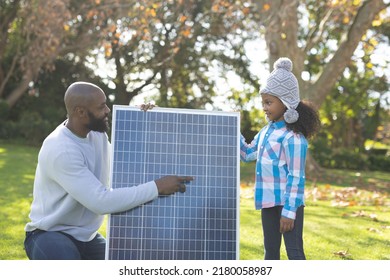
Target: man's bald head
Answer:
[[80, 94]]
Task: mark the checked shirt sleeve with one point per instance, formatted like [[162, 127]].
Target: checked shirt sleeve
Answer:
[[295, 148], [248, 152]]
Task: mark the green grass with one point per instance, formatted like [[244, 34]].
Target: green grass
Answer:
[[355, 222], [17, 168]]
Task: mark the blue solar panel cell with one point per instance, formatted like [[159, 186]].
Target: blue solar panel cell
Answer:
[[201, 223]]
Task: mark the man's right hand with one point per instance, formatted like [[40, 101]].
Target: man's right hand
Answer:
[[170, 184]]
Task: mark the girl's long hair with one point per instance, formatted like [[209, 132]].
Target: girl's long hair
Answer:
[[308, 122]]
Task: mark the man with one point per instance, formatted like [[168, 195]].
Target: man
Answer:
[[70, 188]]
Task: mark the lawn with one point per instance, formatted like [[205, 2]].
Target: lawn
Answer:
[[347, 214]]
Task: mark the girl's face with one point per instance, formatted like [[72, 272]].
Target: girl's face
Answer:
[[273, 107]]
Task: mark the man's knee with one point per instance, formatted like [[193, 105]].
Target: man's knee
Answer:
[[51, 246]]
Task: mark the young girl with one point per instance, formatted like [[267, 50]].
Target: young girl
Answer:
[[280, 151]]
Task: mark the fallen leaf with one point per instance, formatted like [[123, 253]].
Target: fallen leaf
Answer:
[[352, 203], [359, 214], [373, 230], [340, 203], [374, 217], [343, 254]]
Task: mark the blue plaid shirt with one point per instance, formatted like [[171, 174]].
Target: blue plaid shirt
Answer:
[[280, 167]]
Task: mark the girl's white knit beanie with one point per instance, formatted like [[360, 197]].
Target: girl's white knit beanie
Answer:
[[283, 84]]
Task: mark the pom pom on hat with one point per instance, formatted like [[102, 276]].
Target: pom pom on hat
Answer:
[[291, 116], [283, 63]]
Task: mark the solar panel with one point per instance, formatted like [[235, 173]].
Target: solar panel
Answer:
[[200, 224]]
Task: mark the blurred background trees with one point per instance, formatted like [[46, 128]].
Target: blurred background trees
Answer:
[[202, 54]]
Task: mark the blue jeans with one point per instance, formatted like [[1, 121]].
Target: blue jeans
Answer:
[[54, 245], [293, 241]]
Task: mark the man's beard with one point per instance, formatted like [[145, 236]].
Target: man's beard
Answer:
[[96, 124]]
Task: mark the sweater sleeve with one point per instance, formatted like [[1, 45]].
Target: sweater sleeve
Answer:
[[69, 170]]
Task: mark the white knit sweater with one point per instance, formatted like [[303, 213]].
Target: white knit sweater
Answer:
[[71, 191]]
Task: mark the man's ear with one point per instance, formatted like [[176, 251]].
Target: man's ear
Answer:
[[81, 112]]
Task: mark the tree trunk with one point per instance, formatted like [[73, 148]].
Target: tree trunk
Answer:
[[282, 34], [313, 169], [18, 92]]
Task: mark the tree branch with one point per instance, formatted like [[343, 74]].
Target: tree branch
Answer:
[[15, 94], [341, 58], [317, 32], [10, 71]]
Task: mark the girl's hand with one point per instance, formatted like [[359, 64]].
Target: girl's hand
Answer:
[[147, 106], [286, 224]]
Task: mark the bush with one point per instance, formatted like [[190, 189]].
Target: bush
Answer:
[[379, 162], [349, 159], [31, 129]]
